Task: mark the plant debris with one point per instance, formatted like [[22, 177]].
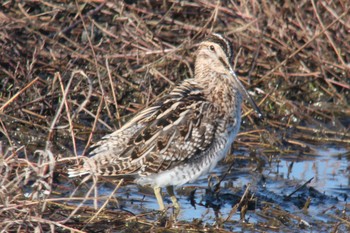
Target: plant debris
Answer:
[[73, 71]]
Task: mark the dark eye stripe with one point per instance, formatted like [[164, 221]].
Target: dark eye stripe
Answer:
[[222, 42]]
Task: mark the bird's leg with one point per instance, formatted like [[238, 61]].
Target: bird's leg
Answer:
[[159, 197], [170, 190]]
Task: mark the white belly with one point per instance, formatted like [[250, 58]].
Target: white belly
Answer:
[[192, 170]]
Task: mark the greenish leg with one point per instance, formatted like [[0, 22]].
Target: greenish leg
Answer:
[[159, 197], [170, 190]]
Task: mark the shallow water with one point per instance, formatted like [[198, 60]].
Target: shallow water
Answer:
[[329, 170], [328, 189]]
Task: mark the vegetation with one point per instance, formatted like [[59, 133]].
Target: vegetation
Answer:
[[73, 71]]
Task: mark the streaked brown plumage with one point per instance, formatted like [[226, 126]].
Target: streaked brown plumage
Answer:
[[184, 134]]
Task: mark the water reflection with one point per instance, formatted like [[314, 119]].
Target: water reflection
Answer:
[[329, 168]]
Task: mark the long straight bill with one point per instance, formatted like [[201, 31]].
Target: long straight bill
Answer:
[[246, 94]]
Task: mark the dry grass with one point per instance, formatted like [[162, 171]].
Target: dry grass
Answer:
[[72, 72]]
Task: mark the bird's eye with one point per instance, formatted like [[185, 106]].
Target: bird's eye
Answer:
[[211, 47]]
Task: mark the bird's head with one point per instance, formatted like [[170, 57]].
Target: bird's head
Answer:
[[214, 57]]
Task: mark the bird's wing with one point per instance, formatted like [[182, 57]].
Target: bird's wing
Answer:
[[176, 128]]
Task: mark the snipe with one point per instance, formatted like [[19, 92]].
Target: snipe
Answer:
[[184, 134]]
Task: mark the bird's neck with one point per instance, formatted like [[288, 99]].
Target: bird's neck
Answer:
[[219, 89]]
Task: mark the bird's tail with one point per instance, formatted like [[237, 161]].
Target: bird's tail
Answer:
[[74, 172], [86, 167]]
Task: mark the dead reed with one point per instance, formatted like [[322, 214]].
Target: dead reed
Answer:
[[73, 71]]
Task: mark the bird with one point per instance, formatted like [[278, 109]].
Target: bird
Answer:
[[184, 134]]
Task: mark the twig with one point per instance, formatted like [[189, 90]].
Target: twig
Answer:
[[235, 207], [106, 202], [17, 94], [302, 186]]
